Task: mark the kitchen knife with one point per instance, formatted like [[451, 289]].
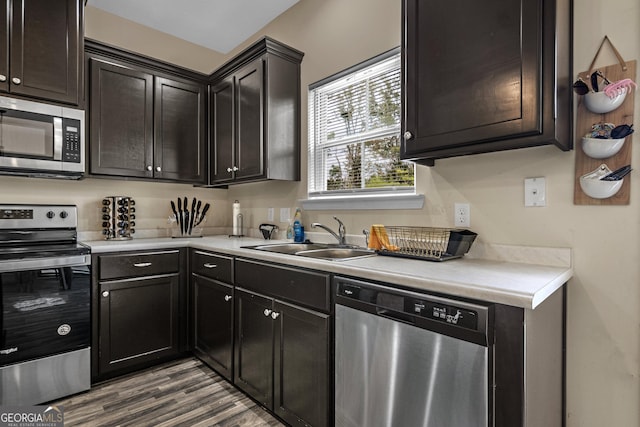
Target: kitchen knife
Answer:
[[175, 212], [193, 215], [185, 218], [204, 212], [180, 214]]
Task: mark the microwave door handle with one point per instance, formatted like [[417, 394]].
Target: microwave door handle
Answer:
[[57, 138]]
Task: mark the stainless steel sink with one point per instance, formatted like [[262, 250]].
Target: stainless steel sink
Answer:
[[316, 250], [341, 254], [289, 248]]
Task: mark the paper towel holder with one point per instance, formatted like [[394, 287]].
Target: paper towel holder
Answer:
[[240, 227]]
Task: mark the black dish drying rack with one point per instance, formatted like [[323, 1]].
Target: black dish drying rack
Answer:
[[425, 243]]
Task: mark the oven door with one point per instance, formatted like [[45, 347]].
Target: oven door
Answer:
[[45, 308]]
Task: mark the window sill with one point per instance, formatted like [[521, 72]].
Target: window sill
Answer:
[[413, 201]]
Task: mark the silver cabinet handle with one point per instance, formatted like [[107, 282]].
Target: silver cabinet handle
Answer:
[[408, 135], [275, 315], [227, 298], [158, 169], [142, 264], [149, 168], [16, 81], [267, 312], [209, 265], [105, 294], [3, 78], [229, 170], [235, 168]]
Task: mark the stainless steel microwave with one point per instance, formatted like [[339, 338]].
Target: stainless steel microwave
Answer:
[[41, 140]]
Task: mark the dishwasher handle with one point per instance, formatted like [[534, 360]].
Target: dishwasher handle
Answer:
[[395, 315]]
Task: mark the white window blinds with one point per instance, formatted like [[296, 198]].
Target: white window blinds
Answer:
[[354, 131]]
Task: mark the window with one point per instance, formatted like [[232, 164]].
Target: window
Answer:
[[354, 132]]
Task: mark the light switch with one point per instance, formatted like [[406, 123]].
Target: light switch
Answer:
[[535, 193]]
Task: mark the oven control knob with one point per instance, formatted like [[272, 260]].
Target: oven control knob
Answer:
[[64, 214], [50, 214]]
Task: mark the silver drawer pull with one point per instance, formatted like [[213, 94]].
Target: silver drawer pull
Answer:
[[227, 297], [16, 80], [208, 265], [267, 312], [142, 264], [275, 315], [105, 293]]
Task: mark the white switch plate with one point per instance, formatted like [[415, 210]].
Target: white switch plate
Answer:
[[270, 214], [535, 193], [285, 214], [462, 215]]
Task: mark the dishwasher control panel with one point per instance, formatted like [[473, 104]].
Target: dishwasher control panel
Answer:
[[412, 307], [443, 313]]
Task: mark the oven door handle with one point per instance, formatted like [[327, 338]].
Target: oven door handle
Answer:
[[44, 263]]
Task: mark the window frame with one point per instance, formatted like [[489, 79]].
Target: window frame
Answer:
[[316, 162]]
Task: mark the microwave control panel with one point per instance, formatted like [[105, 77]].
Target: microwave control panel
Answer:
[[71, 151]]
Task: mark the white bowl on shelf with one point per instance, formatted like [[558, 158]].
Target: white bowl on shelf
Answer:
[[601, 148], [594, 187], [600, 103]]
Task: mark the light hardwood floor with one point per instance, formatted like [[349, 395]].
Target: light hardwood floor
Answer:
[[179, 393]]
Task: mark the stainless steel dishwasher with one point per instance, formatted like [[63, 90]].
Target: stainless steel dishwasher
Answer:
[[410, 359]]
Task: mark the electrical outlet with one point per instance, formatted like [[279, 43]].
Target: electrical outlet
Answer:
[[270, 214], [462, 215], [285, 214]]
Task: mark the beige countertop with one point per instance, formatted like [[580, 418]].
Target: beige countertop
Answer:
[[520, 284]]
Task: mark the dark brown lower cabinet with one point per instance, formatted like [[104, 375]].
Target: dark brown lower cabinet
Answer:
[[138, 321], [282, 357], [301, 363], [213, 324], [139, 310]]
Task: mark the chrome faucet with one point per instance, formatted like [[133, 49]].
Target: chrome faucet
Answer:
[[341, 235]]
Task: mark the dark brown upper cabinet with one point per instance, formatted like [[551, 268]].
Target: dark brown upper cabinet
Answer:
[[485, 76], [41, 45], [255, 116], [146, 119]]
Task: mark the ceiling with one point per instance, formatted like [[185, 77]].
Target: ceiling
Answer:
[[220, 25]]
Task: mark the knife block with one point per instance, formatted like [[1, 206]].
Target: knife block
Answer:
[[118, 217], [176, 232]]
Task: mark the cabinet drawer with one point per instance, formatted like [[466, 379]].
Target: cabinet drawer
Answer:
[[212, 266], [300, 286], [138, 264]]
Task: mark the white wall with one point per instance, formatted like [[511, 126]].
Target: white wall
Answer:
[[603, 367]]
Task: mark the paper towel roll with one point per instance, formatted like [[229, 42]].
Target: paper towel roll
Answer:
[[236, 219]]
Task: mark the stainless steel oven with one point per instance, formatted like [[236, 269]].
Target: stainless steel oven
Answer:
[[38, 139], [45, 296]]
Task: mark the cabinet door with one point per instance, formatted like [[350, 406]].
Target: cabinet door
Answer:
[[254, 346], [222, 131], [139, 321], [213, 324], [4, 45], [301, 366], [121, 121], [179, 150], [474, 79], [249, 158], [45, 49]]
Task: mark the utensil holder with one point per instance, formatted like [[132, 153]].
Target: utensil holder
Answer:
[[118, 217]]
